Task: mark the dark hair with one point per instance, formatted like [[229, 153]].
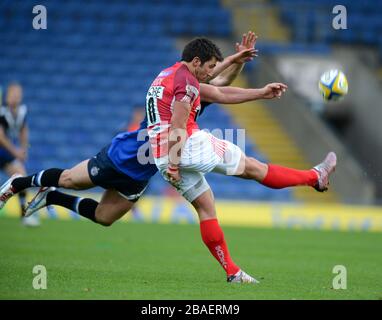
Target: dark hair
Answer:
[[202, 48]]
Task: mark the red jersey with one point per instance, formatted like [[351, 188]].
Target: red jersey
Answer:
[[176, 83]]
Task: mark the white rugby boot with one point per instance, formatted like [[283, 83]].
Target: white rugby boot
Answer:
[[324, 170], [241, 277], [38, 201]]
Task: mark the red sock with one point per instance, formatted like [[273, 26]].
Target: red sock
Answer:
[[281, 177], [213, 237]]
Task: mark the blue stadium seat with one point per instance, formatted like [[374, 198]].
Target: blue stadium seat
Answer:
[[311, 23]]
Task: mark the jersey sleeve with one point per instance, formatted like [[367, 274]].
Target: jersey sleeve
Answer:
[[186, 87]]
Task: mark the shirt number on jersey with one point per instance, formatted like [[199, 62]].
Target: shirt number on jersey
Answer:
[[154, 93]]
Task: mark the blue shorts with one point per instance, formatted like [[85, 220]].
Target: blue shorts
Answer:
[[104, 174]]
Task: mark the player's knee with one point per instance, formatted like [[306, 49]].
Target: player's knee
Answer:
[[103, 217], [206, 214], [254, 169], [67, 180], [204, 206]]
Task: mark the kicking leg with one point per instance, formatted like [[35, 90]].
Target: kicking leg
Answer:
[[235, 162], [278, 177]]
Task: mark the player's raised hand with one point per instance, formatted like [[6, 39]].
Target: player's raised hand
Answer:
[[274, 90], [248, 41], [244, 55]]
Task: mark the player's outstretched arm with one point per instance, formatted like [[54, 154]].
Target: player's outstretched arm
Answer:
[[231, 64], [234, 95], [226, 74]]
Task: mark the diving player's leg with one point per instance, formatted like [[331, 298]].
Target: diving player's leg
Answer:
[[111, 207], [121, 191], [76, 178]]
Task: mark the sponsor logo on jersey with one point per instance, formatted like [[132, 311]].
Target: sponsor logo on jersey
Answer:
[[94, 171], [156, 91]]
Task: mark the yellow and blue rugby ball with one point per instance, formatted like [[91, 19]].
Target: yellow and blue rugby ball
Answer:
[[333, 85]]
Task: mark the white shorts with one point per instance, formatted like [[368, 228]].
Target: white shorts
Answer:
[[202, 153]]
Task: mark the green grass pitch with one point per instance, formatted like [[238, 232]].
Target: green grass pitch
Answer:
[[152, 261]]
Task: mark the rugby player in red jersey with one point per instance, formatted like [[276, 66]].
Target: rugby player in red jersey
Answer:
[[184, 154]]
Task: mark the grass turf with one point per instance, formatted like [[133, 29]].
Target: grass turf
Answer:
[[151, 261]]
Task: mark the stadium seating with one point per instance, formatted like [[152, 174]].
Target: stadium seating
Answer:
[[84, 74], [311, 21]]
